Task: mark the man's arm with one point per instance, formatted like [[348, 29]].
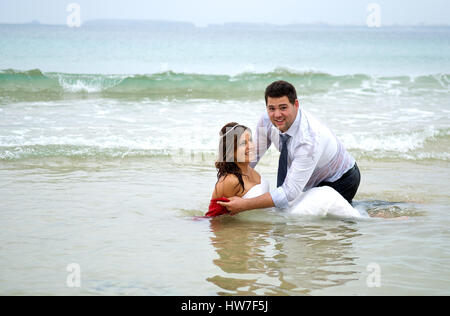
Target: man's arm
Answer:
[[238, 205], [297, 177]]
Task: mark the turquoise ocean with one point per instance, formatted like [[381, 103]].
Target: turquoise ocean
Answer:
[[108, 137]]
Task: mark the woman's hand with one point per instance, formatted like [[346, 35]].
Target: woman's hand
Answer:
[[235, 206]]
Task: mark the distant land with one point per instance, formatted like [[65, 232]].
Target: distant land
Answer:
[[184, 24], [124, 22]]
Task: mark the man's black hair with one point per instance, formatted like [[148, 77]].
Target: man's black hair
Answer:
[[280, 89]]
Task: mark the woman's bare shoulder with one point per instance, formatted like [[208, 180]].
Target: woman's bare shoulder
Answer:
[[226, 186], [229, 179]]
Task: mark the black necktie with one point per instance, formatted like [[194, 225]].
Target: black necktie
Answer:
[[282, 163]]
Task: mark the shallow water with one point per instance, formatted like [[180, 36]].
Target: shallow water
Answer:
[[131, 226]]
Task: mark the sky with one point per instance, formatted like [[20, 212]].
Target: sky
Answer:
[[204, 12]]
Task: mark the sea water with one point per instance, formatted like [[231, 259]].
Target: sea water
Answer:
[[108, 137]]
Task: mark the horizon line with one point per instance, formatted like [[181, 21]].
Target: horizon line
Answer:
[[92, 22]]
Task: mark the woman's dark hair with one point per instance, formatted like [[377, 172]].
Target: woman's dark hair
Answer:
[[228, 145], [280, 89]]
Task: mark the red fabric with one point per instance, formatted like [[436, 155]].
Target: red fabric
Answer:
[[216, 209]]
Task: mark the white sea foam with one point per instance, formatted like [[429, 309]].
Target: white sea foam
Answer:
[[87, 83], [113, 127], [405, 146], [80, 86], [395, 142]]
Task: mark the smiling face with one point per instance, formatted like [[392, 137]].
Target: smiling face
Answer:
[[245, 148], [282, 112]]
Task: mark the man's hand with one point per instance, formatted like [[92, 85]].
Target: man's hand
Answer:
[[235, 206]]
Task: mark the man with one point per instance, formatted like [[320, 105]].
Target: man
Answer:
[[311, 155]]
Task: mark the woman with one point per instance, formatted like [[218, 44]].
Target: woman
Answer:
[[235, 177]]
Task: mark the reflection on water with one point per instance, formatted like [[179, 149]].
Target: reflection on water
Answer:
[[290, 258]]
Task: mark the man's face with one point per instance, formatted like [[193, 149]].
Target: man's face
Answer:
[[281, 112]]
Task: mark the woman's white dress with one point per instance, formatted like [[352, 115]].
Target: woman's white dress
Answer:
[[319, 201]]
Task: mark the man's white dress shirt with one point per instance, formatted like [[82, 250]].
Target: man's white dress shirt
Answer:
[[314, 155]]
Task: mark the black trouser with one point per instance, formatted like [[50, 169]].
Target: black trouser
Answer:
[[347, 185]]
